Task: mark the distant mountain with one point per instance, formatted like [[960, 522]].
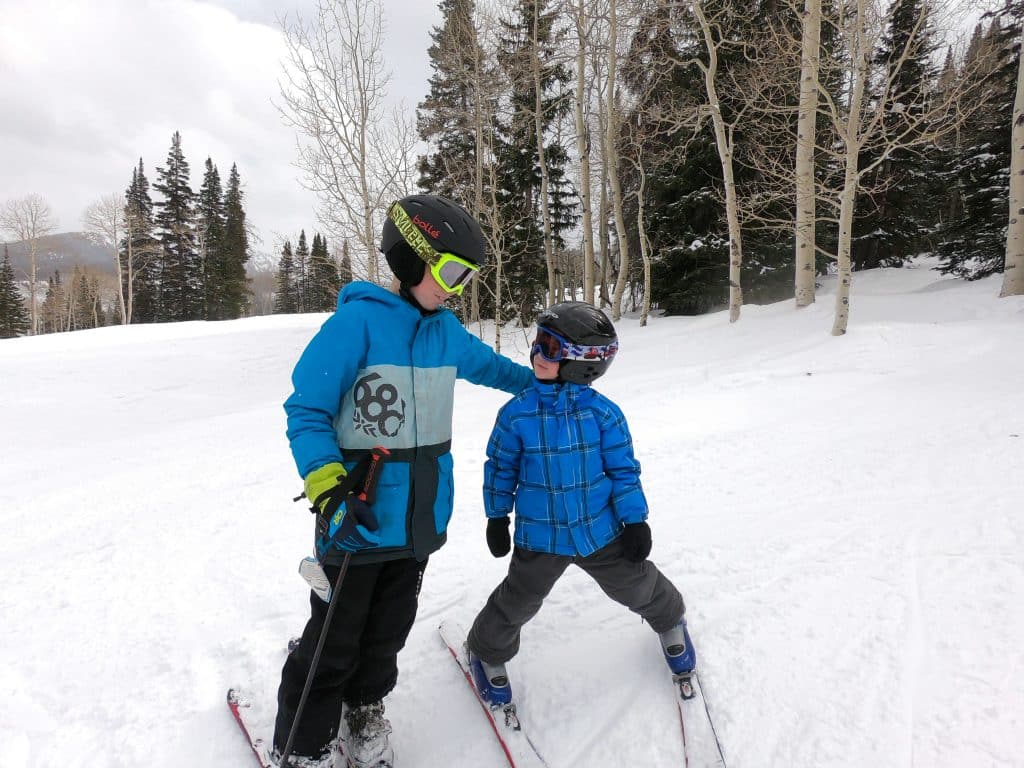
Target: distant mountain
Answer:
[[261, 261], [66, 250], [61, 251]]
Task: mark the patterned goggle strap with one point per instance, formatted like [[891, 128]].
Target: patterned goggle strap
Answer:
[[554, 348], [590, 351], [412, 234]]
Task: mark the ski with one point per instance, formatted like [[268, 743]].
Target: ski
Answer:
[[701, 745], [241, 708], [513, 739]]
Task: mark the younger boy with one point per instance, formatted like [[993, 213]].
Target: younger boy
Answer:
[[561, 456]]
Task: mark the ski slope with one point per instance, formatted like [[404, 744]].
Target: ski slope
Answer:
[[844, 516]]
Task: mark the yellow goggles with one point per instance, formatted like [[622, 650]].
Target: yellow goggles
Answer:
[[453, 272], [450, 271]]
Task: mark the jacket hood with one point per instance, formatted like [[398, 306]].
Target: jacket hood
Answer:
[[361, 290]]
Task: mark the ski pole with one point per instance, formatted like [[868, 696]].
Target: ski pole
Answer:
[[367, 495]]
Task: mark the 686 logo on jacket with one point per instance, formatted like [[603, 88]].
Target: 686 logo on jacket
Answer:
[[379, 411]]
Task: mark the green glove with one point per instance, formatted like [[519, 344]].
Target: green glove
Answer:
[[344, 521], [321, 480]]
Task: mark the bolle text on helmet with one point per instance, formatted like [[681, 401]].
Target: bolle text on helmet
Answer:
[[426, 226]]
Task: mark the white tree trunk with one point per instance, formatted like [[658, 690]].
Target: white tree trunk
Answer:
[[583, 148], [129, 299], [478, 197], [103, 222], [1013, 273], [724, 142], [860, 52], [805, 244], [33, 254], [645, 243], [538, 129], [612, 162]]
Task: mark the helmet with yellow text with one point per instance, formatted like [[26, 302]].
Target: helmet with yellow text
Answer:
[[420, 227]]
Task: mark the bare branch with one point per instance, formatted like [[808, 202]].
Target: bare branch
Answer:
[[28, 219]]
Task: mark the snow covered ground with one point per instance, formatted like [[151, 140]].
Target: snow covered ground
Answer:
[[845, 517]]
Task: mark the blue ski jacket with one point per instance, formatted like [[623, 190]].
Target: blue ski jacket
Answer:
[[561, 457], [380, 372]]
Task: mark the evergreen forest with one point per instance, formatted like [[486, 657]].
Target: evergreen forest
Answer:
[[647, 156]]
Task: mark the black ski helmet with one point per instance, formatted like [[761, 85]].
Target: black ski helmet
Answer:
[[445, 225], [585, 324]]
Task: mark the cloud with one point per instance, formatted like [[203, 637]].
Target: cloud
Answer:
[[89, 88], [86, 89]]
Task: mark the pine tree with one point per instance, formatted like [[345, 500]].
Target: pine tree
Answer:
[[285, 298], [891, 225], [55, 308], [234, 251], [302, 274], [685, 220], [13, 313], [78, 301], [345, 266], [973, 243], [140, 265], [517, 159], [324, 280], [210, 225], [99, 317], [445, 118], [314, 288], [940, 198], [180, 272]]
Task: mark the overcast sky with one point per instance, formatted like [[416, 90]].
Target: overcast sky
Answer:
[[87, 87]]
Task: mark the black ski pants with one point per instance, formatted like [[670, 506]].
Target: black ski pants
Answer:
[[359, 663], [641, 587]]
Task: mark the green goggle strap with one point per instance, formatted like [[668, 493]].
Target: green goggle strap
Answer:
[[412, 235]]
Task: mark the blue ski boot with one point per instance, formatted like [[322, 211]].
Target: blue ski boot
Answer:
[[491, 681], [678, 649]]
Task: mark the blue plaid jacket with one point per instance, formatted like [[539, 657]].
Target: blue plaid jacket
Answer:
[[561, 457]]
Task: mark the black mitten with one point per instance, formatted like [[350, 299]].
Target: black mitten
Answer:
[[636, 541], [499, 540]]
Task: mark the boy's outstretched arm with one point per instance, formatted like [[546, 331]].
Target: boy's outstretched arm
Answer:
[[480, 364]]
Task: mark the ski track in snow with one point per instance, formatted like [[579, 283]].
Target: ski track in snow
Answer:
[[842, 516]]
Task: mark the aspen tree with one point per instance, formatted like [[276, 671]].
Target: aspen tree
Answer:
[[103, 222], [29, 219], [613, 118], [807, 118], [1013, 270], [583, 40], [357, 156], [726, 149]]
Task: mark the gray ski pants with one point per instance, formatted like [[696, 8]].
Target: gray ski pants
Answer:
[[641, 587]]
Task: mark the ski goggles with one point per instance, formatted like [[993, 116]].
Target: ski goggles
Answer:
[[554, 348], [451, 272]]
